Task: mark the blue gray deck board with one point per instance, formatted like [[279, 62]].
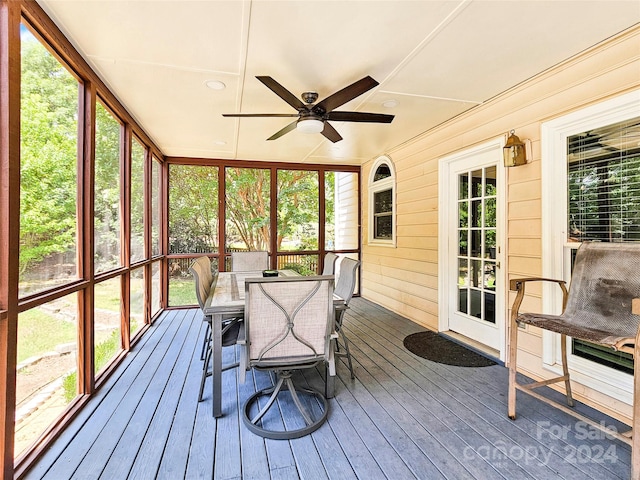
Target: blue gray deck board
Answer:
[[402, 417]]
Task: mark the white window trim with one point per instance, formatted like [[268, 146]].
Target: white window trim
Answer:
[[554, 236], [375, 187]]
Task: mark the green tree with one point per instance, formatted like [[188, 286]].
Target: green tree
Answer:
[[193, 209], [107, 190], [248, 209], [298, 212], [48, 164]]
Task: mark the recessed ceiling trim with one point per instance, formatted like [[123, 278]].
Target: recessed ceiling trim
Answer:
[[430, 36], [404, 94], [163, 65]]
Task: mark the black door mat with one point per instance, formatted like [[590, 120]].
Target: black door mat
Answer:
[[435, 347]]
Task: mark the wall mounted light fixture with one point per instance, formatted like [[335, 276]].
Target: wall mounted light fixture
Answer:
[[514, 151]]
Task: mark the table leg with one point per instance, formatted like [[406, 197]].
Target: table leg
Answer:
[[216, 377]]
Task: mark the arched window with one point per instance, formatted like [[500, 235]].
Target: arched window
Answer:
[[382, 204]]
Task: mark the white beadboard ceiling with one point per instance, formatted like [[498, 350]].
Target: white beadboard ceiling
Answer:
[[436, 59]]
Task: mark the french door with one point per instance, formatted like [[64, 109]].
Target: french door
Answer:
[[474, 286]]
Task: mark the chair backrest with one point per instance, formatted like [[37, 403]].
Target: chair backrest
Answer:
[[249, 261], [201, 270], [288, 320], [347, 279], [329, 264], [605, 278]]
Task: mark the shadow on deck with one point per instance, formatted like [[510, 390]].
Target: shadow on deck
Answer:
[[402, 417]]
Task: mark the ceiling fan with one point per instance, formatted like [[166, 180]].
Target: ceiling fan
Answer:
[[313, 118]]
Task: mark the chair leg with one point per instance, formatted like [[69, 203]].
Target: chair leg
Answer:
[[635, 420], [565, 370], [347, 353], [330, 372], [513, 354], [205, 370], [206, 341]]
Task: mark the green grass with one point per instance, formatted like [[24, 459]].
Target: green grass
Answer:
[[182, 292], [40, 332], [104, 351], [107, 295]]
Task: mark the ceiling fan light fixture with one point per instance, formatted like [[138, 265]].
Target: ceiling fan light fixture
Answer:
[[310, 125]]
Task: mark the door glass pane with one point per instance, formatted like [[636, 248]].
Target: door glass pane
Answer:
[[462, 242], [463, 272], [463, 284], [490, 244], [490, 307], [248, 192], [475, 274], [490, 181], [489, 276], [476, 184], [463, 294], [490, 212], [463, 214], [475, 303], [476, 213], [463, 186], [298, 210], [476, 243]]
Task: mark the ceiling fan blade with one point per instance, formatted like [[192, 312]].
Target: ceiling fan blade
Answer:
[[331, 133], [259, 114], [282, 92], [343, 96], [287, 129], [359, 117]]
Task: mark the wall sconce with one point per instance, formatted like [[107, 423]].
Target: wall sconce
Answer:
[[515, 151]]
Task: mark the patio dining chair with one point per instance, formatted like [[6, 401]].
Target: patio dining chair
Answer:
[[288, 327], [249, 261], [329, 267], [602, 308], [345, 286], [203, 277]]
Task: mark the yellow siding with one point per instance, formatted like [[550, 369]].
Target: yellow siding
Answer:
[[405, 278]]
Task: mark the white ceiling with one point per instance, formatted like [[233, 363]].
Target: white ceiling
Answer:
[[435, 58]]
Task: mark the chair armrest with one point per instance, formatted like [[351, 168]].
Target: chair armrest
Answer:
[[518, 284]]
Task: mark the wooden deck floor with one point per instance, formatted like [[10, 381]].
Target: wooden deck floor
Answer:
[[403, 417]]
